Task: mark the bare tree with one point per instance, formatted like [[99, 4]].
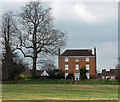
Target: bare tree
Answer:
[[9, 30], [48, 65], [8, 33], [38, 35]]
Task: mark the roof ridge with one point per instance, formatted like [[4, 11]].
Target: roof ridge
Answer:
[[78, 49], [77, 52]]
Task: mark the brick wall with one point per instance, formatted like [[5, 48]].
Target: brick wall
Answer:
[[82, 62], [109, 76]]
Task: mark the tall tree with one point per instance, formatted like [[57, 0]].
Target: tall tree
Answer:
[[9, 29], [38, 33], [12, 65]]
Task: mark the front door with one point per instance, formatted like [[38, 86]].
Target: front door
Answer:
[[76, 76]]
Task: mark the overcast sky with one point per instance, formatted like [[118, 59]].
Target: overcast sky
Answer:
[[88, 24]]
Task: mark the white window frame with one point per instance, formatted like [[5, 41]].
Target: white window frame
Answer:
[[103, 77], [66, 67], [76, 59], [88, 75], [87, 59], [112, 78], [66, 74], [77, 66], [66, 59], [107, 77], [87, 67]]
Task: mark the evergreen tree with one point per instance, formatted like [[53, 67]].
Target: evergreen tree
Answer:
[[83, 73]]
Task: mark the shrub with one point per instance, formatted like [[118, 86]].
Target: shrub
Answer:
[[18, 78], [83, 73], [43, 77], [27, 77], [70, 76], [83, 77], [56, 74]]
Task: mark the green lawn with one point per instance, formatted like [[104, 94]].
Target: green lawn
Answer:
[[59, 92], [87, 82]]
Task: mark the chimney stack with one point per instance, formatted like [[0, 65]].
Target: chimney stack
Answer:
[[58, 52], [58, 57], [95, 59], [94, 50]]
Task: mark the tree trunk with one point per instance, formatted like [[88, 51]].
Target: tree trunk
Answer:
[[34, 66], [35, 53]]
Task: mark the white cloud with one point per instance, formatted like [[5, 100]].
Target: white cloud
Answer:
[[83, 14], [91, 13]]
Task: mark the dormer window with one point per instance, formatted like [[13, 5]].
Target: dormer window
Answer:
[[66, 59], [87, 59]]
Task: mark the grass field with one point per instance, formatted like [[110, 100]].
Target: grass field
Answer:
[[59, 92], [87, 82]]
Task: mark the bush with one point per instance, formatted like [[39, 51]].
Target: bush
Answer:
[[83, 73], [70, 76], [18, 78], [56, 74], [27, 77], [43, 78], [83, 77]]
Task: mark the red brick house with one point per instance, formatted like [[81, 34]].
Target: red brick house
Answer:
[[71, 61], [108, 75]]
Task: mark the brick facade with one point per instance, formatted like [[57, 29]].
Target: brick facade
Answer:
[[108, 75], [80, 61]]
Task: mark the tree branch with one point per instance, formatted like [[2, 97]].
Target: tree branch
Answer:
[[27, 47], [24, 53]]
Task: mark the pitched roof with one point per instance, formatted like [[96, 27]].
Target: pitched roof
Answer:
[[80, 52], [29, 71], [111, 72]]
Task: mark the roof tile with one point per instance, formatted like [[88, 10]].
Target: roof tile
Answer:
[[86, 52]]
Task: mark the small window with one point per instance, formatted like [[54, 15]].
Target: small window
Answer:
[[103, 77], [77, 66], [87, 59], [88, 75], [66, 74], [66, 59], [107, 77], [77, 59], [87, 67], [66, 67], [112, 78]]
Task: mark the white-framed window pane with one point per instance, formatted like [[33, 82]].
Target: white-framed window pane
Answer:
[[103, 77], [66, 74], [112, 78], [66, 59], [77, 66], [88, 75], [87, 59], [77, 59], [87, 66], [66, 67], [107, 77]]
